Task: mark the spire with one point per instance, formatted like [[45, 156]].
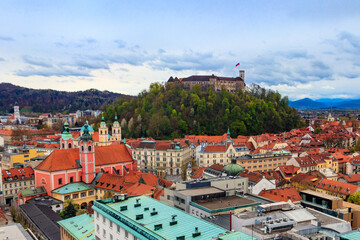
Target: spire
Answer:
[[102, 121], [116, 120], [228, 134], [66, 127]]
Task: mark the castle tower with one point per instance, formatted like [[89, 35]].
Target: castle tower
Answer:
[[66, 140], [116, 130], [17, 114], [103, 133], [87, 156]]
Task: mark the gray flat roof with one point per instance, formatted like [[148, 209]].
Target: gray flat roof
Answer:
[[14, 231], [225, 202], [200, 191]]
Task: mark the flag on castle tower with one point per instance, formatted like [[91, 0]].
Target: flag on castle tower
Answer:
[[238, 64]]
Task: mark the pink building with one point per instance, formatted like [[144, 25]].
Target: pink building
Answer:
[[82, 164]]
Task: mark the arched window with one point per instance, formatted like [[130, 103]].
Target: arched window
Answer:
[[69, 146], [118, 130], [89, 148], [100, 131], [63, 145], [82, 148]]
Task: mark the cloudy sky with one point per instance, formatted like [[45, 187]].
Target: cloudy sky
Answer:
[[299, 48]]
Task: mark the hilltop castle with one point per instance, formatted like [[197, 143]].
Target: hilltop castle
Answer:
[[215, 82]]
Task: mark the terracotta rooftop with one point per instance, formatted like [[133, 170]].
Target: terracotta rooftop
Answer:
[[66, 158], [14, 174], [282, 194], [335, 186]]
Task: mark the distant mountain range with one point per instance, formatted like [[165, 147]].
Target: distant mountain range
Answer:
[[47, 100], [323, 103]]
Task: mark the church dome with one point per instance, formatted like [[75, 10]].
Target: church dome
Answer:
[[90, 129], [233, 169]]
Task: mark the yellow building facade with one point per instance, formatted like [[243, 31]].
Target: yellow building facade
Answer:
[[79, 192], [13, 157]]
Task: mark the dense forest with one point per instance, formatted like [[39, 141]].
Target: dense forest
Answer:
[[36, 100], [168, 111]]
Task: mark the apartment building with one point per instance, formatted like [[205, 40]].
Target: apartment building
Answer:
[[16, 157], [162, 157], [221, 153], [264, 161], [14, 180]]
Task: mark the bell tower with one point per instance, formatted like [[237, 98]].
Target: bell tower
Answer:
[[103, 133], [87, 156], [116, 130], [66, 140]]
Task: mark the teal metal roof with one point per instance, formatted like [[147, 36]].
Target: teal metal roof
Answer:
[[80, 227], [237, 236], [72, 187], [89, 128], [354, 235], [140, 221]]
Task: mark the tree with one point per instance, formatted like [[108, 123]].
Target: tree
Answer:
[[69, 211], [108, 194]]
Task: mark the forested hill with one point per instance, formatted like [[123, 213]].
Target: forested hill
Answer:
[[169, 112], [37, 100]]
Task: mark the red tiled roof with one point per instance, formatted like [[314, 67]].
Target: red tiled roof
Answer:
[[197, 173], [289, 170], [282, 194], [335, 186], [304, 178], [217, 167], [216, 148], [6, 132], [350, 178], [17, 173], [65, 158]]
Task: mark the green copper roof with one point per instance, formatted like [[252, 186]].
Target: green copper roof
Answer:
[[84, 222], [27, 192], [228, 134], [89, 127], [233, 169], [86, 135], [354, 235], [116, 120], [139, 219], [102, 121], [66, 135], [72, 187]]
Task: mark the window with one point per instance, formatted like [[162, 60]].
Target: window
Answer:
[[97, 228], [126, 234], [76, 195], [111, 237], [118, 228], [104, 219], [67, 197], [71, 179], [69, 146], [111, 224], [82, 148], [97, 215], [91, 193], [19, 184], [15, 185], [89, 148], [104, 232], [83, 194], [60, 181]]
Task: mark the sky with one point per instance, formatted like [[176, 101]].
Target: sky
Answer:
[[299, 48]]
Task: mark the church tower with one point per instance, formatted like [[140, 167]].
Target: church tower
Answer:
[[116, 130], [103, 133], [66, 140], [17, 114], [87, 156]]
